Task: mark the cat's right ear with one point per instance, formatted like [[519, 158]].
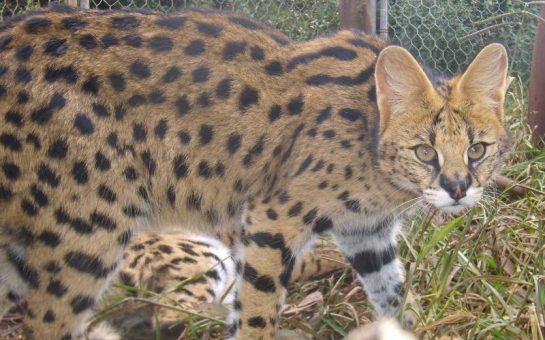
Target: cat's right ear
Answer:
[[400, 82]]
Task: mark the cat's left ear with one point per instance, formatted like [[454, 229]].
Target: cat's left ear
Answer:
[[485, 80]]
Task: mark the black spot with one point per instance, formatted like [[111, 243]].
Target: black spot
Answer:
[[253, 152], [180, 166], [337, 52], [200, 75], [140, 70], [3, 70], [84, 124], [124, 22], [160, 43], [295, 106], [194, 201], [220, 169], [136, 100], [49, 316], [312, 132], [195, 47], [257, 322], [130, 173], [39, 196], [14, 118], [81, 303], [249, 96], [203, 100], [80, 173], [323, 115], [49, 238], [46, 175], [119, 112], [343, 196], [353, 205], [350, 114], [233, 143], [325, 79], [206, 134], [139, 132], [257, 53], [132, 211], [310, 216], [29, 208], [367, 262], [329, 134], [156, 97], [26, 272], [56, 47], [108, 40], [58, 149], [5, 193], [11, 171], [61, 216], [80, 226], [2, 91], [149, 162], [263, 283], [102, 162], [372, 94], [274, 68], [24, 53], [210, 30], [44, 114], [232, 49], [304, 165], [86, 263], [34, 25], [103, 221], [223, 89], [172, 22], [52, 267], [323, 185], [132, 40], [246, 23], [22, 75], [183, 106], [73, 23], [88, 41], [55, 287], [271, 214], [172, 74], [67, 74], [275, 112], [100, 110], [22, 97], [161, 129], [204, 169], [322, 224], [91, 85], [117, 81]]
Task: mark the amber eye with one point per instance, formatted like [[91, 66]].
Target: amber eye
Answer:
[[476, 151], [425, 153]]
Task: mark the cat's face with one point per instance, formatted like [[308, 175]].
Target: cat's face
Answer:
[[442, 143]]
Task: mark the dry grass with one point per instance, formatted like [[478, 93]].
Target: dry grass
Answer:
[[478, 276]]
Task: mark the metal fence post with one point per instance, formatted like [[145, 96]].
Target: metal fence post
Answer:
[[358, 14], [536, 93], [383, 19]]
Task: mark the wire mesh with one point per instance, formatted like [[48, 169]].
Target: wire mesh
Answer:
[[443, 34]]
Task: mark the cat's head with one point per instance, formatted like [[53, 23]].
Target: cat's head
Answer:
[[444, 141]]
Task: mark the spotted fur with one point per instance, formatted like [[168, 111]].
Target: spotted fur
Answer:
[[184, 270], [114, 122]]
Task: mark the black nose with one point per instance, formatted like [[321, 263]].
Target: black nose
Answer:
[[455, 187]]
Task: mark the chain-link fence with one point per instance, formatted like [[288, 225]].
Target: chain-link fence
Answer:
[[443, 34]]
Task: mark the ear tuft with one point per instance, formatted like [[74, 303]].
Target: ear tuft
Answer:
[[400, 82], [485, 80]]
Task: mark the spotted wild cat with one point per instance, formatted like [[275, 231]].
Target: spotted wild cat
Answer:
[[115, 121]]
